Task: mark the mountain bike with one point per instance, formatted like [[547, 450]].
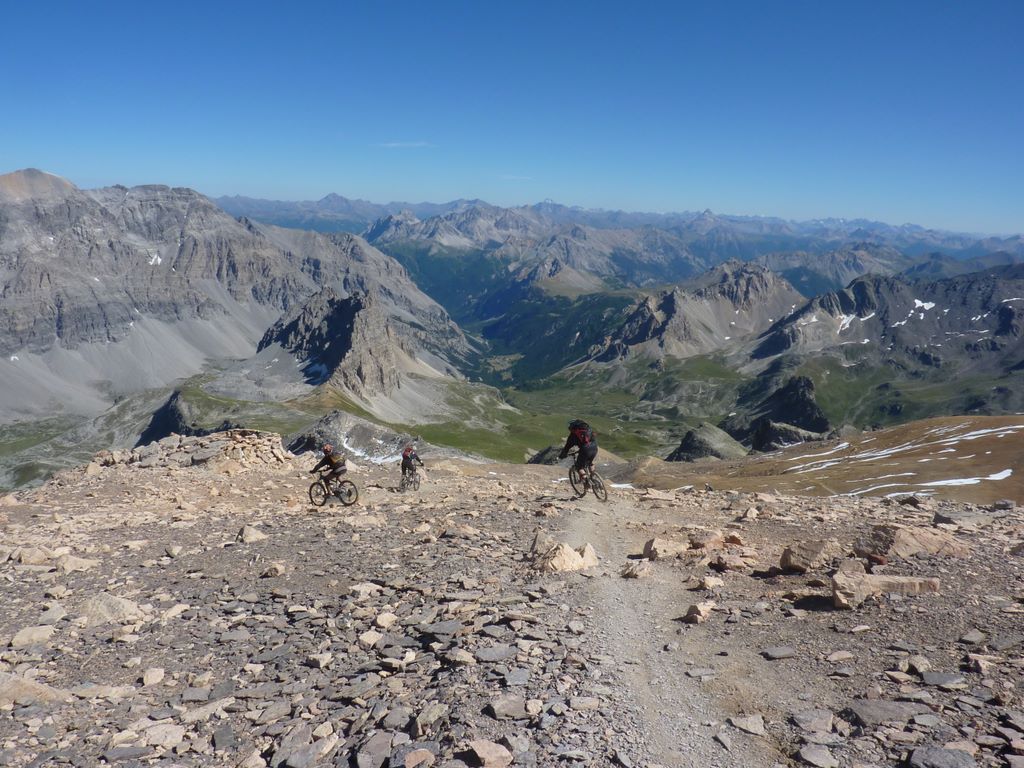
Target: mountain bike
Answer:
[[345, 490], [410, 481], [586, 479]]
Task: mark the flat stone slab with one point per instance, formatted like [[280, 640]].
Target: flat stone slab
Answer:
[[495, 653], [776, 652], [943, 679], [818, 756], [874, 712], [753, 724], [938, 757]]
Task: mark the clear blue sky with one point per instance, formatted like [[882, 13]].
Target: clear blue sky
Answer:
[[898, 111]]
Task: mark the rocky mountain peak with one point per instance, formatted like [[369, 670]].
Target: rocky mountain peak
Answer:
[[344, 342], [32, 183], [730, 301], [707, 441]]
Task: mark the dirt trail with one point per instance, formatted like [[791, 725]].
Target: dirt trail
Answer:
[[632, 621]]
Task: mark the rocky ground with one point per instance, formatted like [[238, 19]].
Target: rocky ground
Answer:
[[185, 605]]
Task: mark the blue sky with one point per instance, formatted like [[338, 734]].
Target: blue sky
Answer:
[[905, 111]]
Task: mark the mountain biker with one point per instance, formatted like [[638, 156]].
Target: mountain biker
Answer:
[[581, 436], [332, 459], [409, 456]]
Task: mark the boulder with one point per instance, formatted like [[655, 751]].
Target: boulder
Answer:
[[870, 713], [707, 441], [707, 540], [30, 636], [250, 534], [851, 586], [938, 757], [490, 754], [547, 456], [15, 689], [699, 612], [70, 563], [890, 540], [562, 557], [752, 724], [107, 608], [636, 569], [805, 556], [660, 549]]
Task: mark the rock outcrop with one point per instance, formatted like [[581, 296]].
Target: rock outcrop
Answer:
[[230, 451], [707, 441], [344, 342], [110, 275], [547, 456], [787, 414], [727, 303]]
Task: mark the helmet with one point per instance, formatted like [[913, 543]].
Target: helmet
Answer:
[[328, 448]]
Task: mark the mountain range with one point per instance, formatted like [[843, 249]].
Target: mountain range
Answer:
[[113, 290], [480, 326]]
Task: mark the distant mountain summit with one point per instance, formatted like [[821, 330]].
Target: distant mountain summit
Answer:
[[30, 183], [973, 317], [729, 302], [331, 213], [113, 290], [343, 342]]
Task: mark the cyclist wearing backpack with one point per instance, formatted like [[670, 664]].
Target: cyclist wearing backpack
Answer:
[[409, 456], [580, 436], [334, 460]]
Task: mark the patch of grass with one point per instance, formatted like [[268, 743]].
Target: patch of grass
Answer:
[[864, 395], [212, 410], [21, 436]]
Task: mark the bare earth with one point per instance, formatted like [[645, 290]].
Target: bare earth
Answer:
[[143, 626]]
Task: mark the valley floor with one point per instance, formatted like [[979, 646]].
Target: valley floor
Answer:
[[180, 615]]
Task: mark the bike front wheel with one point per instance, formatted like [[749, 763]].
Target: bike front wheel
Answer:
[[598, 487], [347, 492], [578, 481], [318, 493]]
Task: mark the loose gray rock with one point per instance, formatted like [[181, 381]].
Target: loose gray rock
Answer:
[[874, 712], [938, 757], [777, 652], [818, 756]]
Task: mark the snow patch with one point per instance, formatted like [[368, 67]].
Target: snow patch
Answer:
[[926, 305], [970, 480]]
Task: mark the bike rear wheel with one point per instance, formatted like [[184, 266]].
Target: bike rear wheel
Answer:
[[578, 481], [318, 493], [598, 487], [347, 492]]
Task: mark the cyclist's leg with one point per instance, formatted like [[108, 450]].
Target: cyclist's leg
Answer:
[[580, 463], [586, 456]]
